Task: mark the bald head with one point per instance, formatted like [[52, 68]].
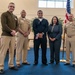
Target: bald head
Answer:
[[23, 13]]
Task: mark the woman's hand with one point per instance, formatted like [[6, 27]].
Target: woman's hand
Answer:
[[52, 39]]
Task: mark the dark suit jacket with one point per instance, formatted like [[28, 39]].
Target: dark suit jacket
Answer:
[[40, 26], [56, 33]]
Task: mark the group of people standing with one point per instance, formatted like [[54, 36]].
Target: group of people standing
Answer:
[[41, 28], [11, 25]]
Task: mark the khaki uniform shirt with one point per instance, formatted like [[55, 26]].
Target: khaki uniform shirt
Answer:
[[24, 24], [70, 29]]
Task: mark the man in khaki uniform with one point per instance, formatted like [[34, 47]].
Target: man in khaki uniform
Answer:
[[70, 40], [22, 40], [9, 24]]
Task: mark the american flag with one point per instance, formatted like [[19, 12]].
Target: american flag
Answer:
[[68, 10]]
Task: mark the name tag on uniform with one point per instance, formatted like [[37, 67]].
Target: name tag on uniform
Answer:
[[15, 18]]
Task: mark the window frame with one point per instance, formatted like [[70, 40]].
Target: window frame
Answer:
[[55, 1]]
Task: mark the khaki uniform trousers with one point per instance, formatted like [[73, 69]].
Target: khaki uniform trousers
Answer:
[[7, 42], [70, 44], [21, 48]]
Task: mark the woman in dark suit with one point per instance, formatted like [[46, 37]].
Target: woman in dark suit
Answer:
[[54, 35]]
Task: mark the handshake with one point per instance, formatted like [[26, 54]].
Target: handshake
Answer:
[[39, 35]]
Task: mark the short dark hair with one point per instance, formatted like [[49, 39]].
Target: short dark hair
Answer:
[[40, 11], [57, 20], [23, 11]]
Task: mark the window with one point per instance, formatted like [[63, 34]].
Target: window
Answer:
[[54, 3]]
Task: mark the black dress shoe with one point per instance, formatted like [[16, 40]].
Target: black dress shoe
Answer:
[[35, 63], [67, 64], [73, 65], [51, 62], [13, 68], [1, 71], [45, 64], [57, 63], [26, 63], [18, 65]]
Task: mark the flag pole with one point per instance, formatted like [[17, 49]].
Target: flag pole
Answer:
[[63, 50], [68, 11]]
